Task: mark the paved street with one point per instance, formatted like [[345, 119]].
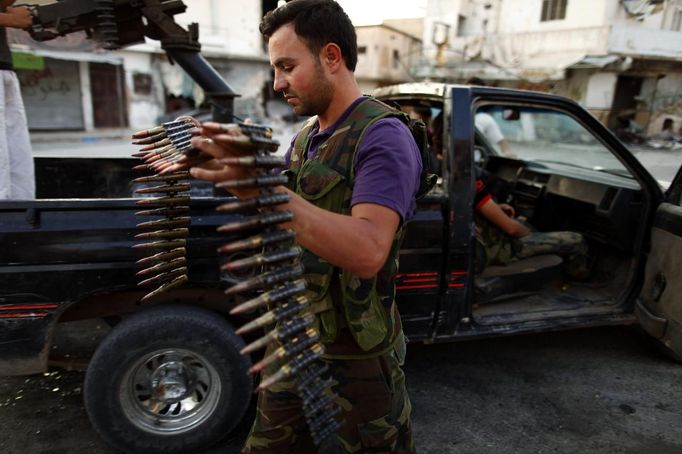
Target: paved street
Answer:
[[662, 164], [602, 390]]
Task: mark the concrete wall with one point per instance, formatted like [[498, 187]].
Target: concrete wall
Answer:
[[645, 42], [667, 103], [378, 62], [143, 108], [594, 27], [652, 20], [440, 12], [227, 27], [524, 15], [600, 90]]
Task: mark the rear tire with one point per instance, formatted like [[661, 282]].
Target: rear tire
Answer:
[[168, 380]]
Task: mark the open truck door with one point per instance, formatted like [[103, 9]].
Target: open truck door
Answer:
[[659, 306]]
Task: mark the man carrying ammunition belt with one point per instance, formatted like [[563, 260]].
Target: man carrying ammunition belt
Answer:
[[354, 171]]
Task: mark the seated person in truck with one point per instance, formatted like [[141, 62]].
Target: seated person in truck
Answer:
[[487, 125], [502, 239]]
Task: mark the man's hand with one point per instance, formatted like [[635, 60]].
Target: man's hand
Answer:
[[18, 17], [222, 141]]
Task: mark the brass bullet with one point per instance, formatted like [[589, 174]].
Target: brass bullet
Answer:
[[166, 188], [258, 241], [266, 258], [280, 312], [159, 144], [287, 329], [165, 223], [265, 144], [160, 153], [163, 256], [290, 348], [177, 282], [164, 200], [163, 267], [162, 244], [287, 370], [267, 161], [148, 132], [167, 276], [262, 220], [146, 140], [164, 234], [261, 181], [277, 294], [266, 280], [255, 202], [169, 177], [140, 167]]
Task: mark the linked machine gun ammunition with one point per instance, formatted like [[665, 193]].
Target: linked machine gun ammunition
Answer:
[[293, 341], [267, 254], [161, 148]]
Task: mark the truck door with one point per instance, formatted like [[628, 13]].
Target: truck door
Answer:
[[659, 306]]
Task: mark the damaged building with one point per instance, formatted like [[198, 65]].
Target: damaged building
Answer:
[[622, 59]]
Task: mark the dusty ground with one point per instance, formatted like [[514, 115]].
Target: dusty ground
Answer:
[[589, 391]]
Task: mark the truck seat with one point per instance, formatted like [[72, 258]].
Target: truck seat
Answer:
[[527, 275]]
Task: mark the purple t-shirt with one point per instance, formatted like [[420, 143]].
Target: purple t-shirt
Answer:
[[387, 163]]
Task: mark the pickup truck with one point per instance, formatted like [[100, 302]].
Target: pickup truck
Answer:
[[168, 376]]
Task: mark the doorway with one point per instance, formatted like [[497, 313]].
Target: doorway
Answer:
[[625, 103], [107, 84]]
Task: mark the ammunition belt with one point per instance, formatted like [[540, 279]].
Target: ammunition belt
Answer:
[[262, 250], [168, 201]]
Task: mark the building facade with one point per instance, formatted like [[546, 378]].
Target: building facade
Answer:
[[71, 83], [387, 52], [622, 59]]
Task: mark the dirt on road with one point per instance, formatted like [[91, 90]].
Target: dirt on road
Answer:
[[601, 390]]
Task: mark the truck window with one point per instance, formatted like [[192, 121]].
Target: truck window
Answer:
[[539, 134]]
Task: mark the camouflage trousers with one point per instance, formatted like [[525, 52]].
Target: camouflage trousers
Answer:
[[375, 411], [500, 249]]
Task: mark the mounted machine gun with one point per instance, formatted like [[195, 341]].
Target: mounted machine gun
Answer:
[[120, 23]]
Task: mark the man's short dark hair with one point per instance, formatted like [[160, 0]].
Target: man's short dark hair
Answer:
[[316, 22]]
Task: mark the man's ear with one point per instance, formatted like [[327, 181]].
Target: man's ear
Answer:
[[330, 56]]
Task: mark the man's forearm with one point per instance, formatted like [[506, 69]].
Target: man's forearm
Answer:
[[7, 20], [359, 243], [16, 17]]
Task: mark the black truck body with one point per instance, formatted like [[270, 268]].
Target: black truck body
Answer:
[[68, 255], [69, 259]]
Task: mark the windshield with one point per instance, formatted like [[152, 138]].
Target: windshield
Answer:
[[535, 134]]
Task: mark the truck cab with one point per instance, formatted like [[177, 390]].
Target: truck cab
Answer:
[[169, 376], [562, 171]]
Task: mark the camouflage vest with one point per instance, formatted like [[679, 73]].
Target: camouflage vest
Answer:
[[339, 298]]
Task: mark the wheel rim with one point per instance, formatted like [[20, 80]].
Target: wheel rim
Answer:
[[170, 391]]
